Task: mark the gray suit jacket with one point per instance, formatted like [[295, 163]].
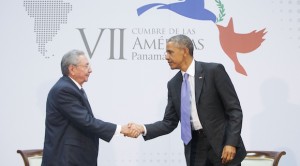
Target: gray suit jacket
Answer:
[[72, 133], [217, 104]]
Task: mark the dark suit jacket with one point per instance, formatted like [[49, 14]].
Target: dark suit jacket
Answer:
[[217, 104], [72, 133]]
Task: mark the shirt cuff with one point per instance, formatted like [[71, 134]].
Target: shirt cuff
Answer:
[[118, 130], [145, 131]]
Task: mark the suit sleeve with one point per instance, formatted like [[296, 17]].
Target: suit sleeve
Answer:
[[231, 105], [69, 103], [169, 122]]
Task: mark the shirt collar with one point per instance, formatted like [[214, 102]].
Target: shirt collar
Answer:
[[190, 70], [76, 83]]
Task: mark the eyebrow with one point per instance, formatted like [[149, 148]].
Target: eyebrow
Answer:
[[169, 51]]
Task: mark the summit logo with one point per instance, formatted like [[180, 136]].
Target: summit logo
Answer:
[[232, 43]]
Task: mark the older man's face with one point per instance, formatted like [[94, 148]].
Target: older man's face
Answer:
[[81, 71]]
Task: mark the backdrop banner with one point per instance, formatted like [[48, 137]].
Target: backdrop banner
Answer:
[[257, 41]]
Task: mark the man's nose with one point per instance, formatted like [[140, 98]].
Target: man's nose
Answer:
[[167, 56]]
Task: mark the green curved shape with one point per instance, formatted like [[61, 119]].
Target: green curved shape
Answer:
[[221, 11]]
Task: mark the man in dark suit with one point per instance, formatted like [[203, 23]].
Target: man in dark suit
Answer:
[[72, 132], [214, 111]]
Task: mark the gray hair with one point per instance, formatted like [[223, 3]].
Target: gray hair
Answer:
[[70, 58], [183, 41]]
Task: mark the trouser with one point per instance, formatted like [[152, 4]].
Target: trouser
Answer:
[[201, 152]]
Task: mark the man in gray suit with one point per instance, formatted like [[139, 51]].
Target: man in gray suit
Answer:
[[72, 132], [214, 113]]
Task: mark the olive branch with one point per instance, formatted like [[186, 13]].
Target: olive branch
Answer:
[[221, 10]]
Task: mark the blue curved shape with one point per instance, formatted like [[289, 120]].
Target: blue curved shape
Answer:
[[144, 8], [193, 9]]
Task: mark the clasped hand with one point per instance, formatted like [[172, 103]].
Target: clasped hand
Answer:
[[132, 130]]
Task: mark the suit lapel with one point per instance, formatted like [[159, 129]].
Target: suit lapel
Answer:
[[199, 78], [86, 102], [177, 88], [84, 98]]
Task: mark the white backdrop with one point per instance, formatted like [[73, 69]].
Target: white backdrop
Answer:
[[129, 87]]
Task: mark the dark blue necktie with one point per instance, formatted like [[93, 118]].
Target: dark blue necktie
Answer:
[[83, 92], [186, 134], [87, 101]]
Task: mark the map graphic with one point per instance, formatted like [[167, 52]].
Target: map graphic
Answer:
[[48, 16]]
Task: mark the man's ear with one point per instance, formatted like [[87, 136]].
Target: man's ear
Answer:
[[71, 69], [186, 51]]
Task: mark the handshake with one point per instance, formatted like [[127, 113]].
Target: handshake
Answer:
[[132, 130]]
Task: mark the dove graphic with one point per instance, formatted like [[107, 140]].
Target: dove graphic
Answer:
[[233, 43], [193, 9]]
